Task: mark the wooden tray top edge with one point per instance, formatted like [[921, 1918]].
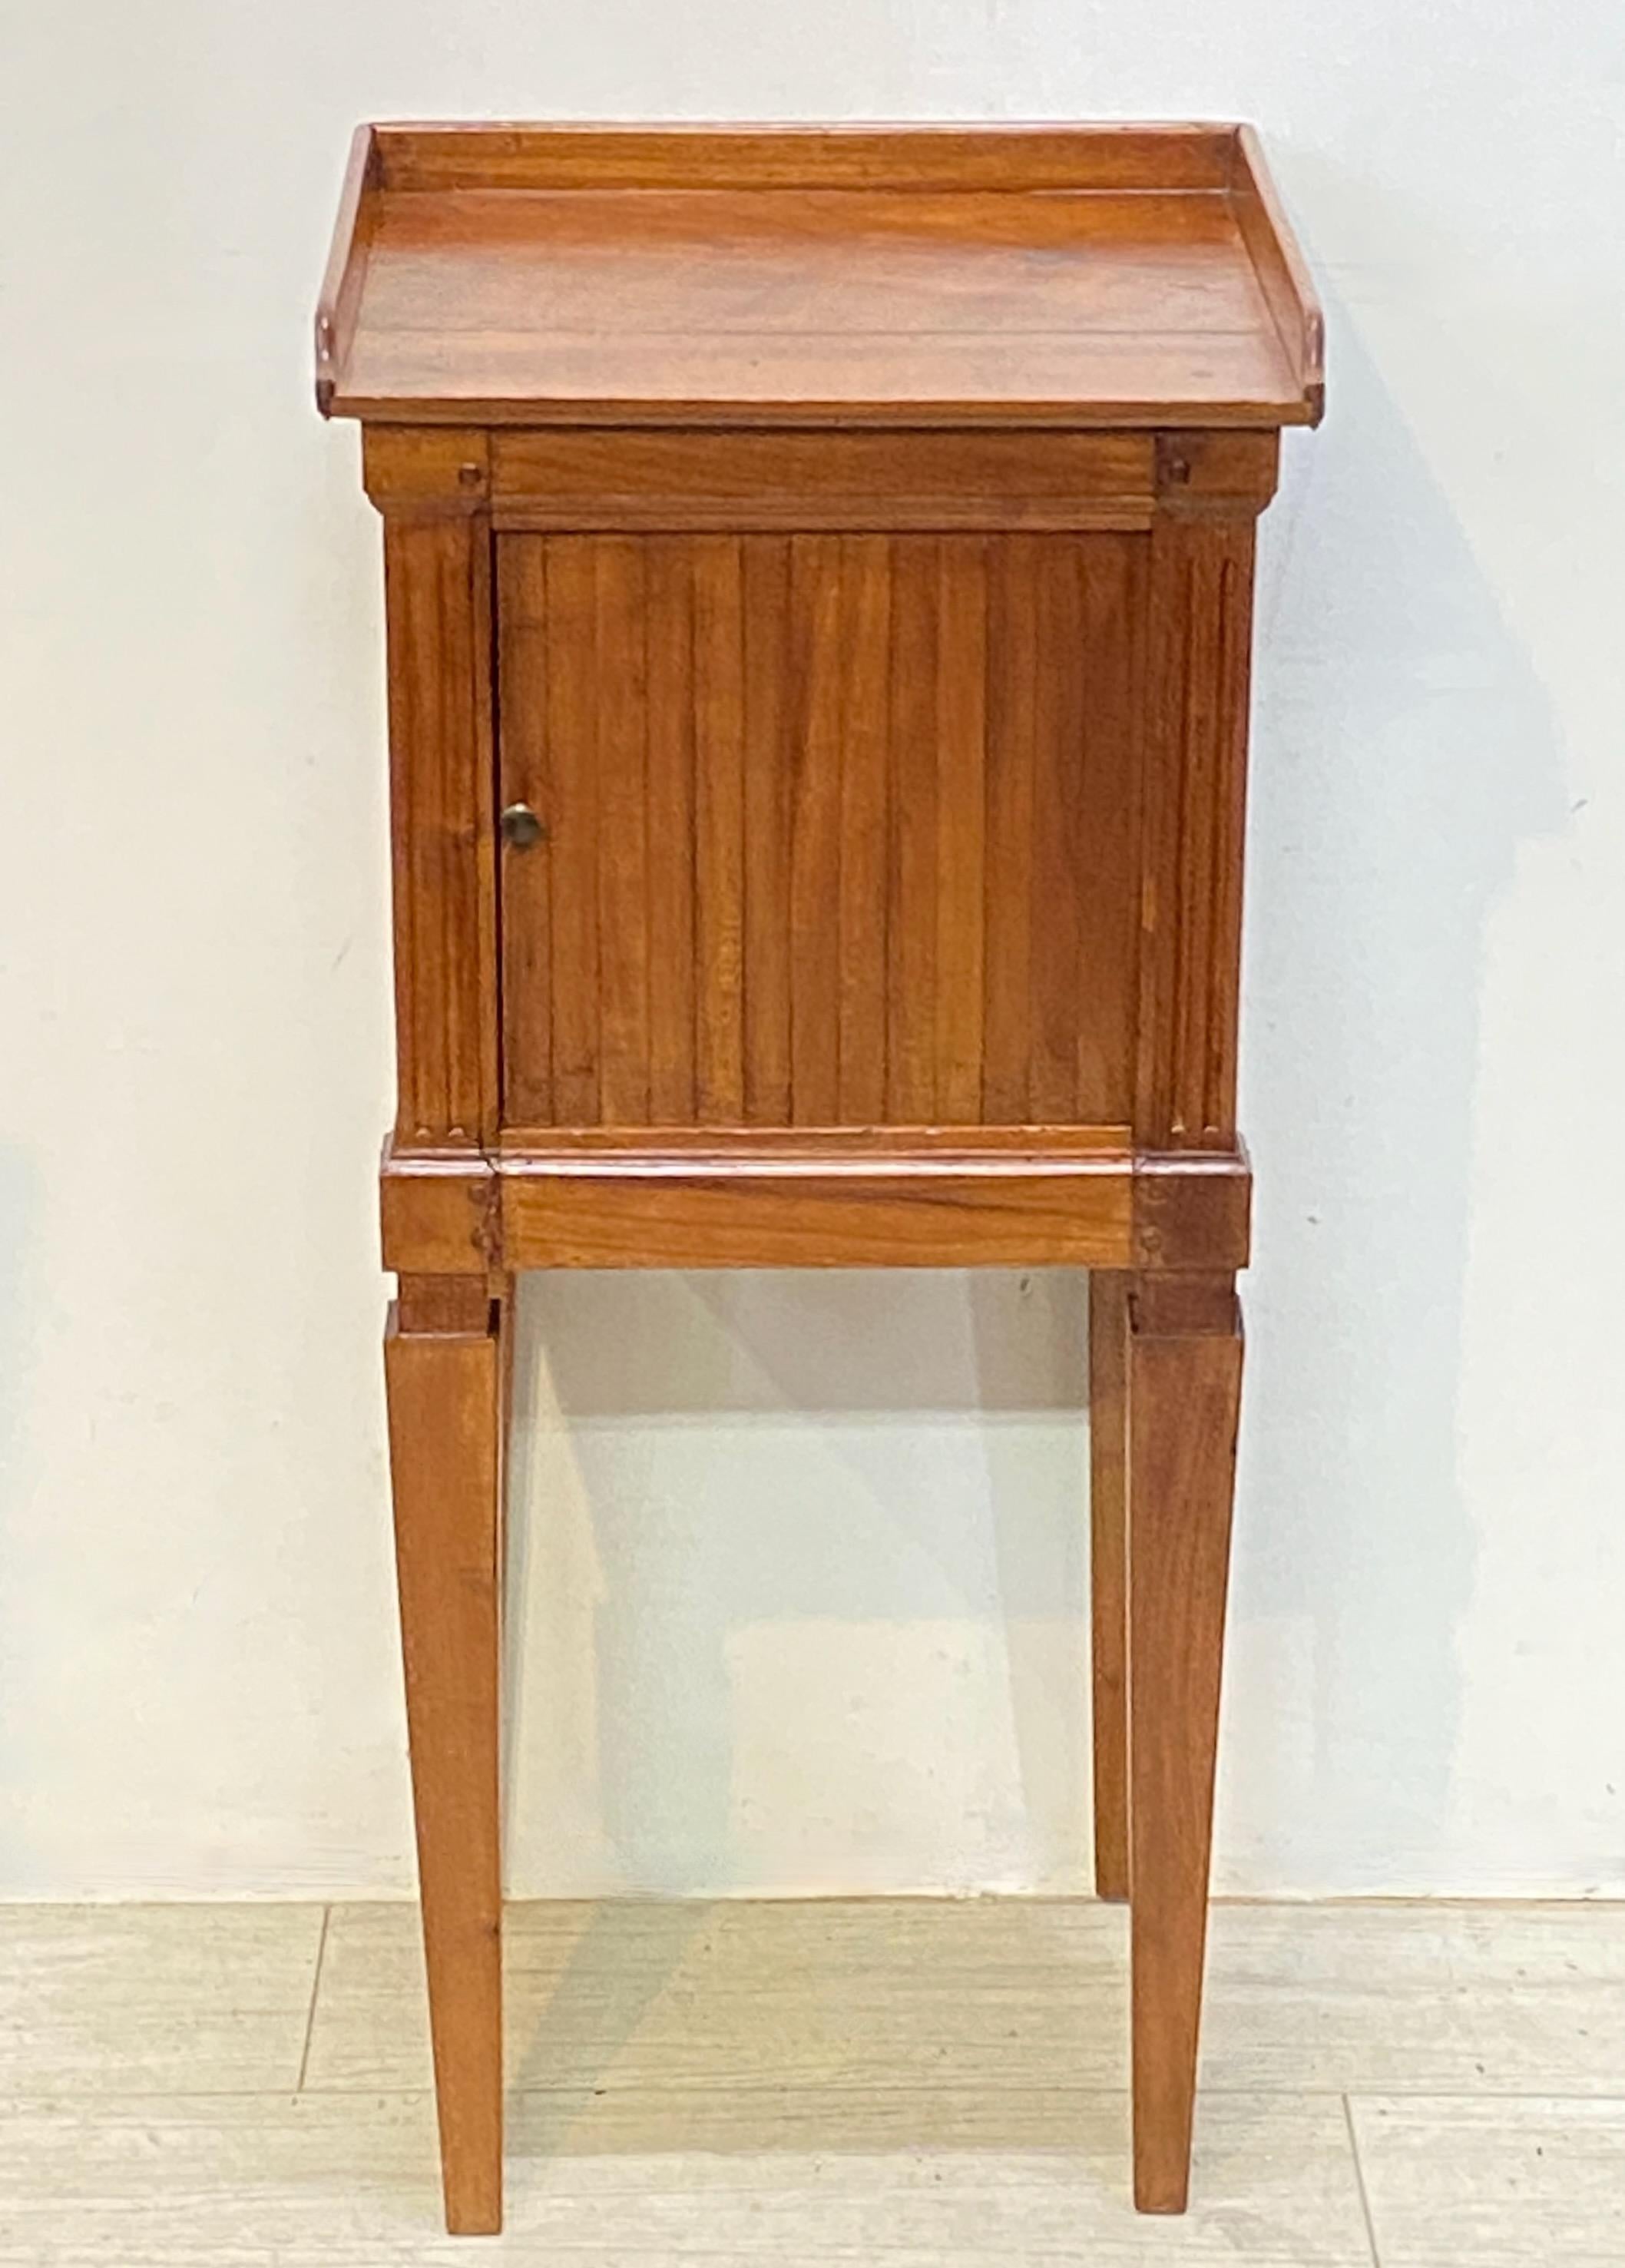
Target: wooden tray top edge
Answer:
[[942, 157], [1208, 160]]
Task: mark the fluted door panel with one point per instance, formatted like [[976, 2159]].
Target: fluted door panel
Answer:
[[838, 829]]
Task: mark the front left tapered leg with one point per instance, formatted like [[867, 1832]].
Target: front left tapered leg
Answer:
[[1184, 1404], [444, 1368]]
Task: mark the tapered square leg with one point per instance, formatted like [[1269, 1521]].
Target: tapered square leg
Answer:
[[1184, 1400], [1108, 1574], [445, 1372]]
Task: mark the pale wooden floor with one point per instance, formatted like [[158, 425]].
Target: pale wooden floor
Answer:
[[880, 2082]]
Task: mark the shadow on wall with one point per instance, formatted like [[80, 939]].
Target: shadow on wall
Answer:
[[799, 1560], [1404, 748], [797, 1572], [20, 1618]]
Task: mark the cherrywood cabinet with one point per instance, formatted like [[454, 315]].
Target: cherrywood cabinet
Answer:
[[818, 569]]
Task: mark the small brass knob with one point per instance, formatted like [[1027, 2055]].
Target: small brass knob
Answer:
[[521, 829]]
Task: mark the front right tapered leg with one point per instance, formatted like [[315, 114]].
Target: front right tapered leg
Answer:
[[443, 1362], [1184, 1403]]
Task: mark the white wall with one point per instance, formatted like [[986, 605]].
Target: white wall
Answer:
[[800, 1560]]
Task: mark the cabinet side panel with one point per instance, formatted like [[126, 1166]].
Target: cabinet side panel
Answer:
[[1199, 632], [436, 576]]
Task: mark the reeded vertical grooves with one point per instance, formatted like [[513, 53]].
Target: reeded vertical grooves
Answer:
[[1195, 799], [841, 829], [438, 614]]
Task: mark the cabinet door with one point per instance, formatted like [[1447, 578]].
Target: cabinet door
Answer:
[[839, 830]]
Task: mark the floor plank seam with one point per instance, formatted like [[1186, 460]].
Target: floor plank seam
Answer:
[[1359, 2181], [310, 2020]]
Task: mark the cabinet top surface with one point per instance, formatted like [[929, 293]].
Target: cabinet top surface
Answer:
[[911, 276]]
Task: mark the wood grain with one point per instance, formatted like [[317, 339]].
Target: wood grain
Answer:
[[346, 263], [871, 513], [669, 759], [624, 850], [427, 471], [642, 1212], [815, 754], [1199, 636], [436, 1214], [444, 1391], [438, 574], [525, 892], [893, 864], [1216, 472], [915, 158], [525, 275], [897, 1145], [1184, 1398], [863, 922], [800, 481], [915, 816], [719, 698], [442, 1305], [1109, 722], [1192, 1209], [1057, 845], [1279, 263], [1013, 674], [961, 732], [565, 737], [770, 696]]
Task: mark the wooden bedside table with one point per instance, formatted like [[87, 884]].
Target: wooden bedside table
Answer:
[[818, 568]]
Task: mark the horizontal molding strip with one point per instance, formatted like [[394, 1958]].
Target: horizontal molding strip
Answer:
[[758, 480], [1008, 1196]]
